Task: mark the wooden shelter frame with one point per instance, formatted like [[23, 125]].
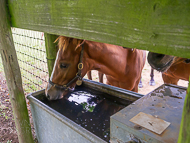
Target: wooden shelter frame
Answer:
[[161, 26]]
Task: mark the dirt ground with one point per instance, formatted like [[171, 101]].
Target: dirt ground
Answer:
[[8, 133], [7, 125]]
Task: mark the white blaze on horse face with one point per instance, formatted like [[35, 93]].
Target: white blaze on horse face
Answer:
[[54, 66]]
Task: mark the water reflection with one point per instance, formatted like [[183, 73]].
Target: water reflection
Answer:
[[85, 99]]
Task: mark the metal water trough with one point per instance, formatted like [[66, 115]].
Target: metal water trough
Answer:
[[166, 103], [53, 127]]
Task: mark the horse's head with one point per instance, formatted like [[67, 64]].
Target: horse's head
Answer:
[[162, 62], [67, 68]]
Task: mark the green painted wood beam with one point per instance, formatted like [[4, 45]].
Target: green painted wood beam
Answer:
[[184, 133], [161, 26], [51, 51], [13, 78]]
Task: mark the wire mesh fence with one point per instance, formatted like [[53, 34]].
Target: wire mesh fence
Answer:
[[31, 54]]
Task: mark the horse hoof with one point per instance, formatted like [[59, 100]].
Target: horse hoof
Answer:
[[152, 83], [140, 85]]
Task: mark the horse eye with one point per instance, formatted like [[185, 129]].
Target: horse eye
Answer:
[[63, 66]]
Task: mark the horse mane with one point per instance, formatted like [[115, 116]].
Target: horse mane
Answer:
[[64, 42]]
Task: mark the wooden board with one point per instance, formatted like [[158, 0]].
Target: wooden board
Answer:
[[158, 26], [150, 122], [13, 78]]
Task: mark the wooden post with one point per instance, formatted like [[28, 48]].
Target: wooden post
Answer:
[[51, 50], [13, 78], [184, 133]]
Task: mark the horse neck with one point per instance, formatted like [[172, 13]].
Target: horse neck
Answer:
[[105, 57]]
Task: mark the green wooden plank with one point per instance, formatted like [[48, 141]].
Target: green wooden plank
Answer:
[[184, 133], [51, 51], [13, 78], [160, 26]]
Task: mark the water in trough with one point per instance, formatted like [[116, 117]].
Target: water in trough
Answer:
[[90, 109]]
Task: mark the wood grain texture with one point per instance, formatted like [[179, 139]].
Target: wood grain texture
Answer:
[[13, 78], [51, 51], [160, 26], [184, 133]]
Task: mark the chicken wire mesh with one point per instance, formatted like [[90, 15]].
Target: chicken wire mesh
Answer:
[[31, 54]]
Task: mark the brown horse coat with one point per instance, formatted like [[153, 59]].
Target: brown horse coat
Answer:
[[180, 70], [122, 66], [173, 68]]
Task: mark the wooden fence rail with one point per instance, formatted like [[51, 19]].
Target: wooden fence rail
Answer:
[[13, 78], [158, 26]]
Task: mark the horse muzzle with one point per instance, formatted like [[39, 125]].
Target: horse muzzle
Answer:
[[53, 93], [160, 62]]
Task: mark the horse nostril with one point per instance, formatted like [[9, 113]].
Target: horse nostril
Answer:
[[48, 97], [160, 55]]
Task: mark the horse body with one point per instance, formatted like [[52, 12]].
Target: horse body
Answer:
[[122, 67], [172, 68], [177, 71], [128, 74]]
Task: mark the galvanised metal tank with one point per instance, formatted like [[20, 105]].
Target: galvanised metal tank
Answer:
[[81, 117], [164, 106]]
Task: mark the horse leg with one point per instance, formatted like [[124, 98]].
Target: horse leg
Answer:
[[100, 74], [152, 82], [168, 79], [140, 85], [89, 75], [135, 89]]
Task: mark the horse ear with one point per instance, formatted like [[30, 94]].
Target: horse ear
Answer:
[[57, 39], [178, 60], [80, 43]]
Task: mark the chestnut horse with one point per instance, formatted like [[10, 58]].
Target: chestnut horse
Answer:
[[75, 57], [100, 75], [172, 68]]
